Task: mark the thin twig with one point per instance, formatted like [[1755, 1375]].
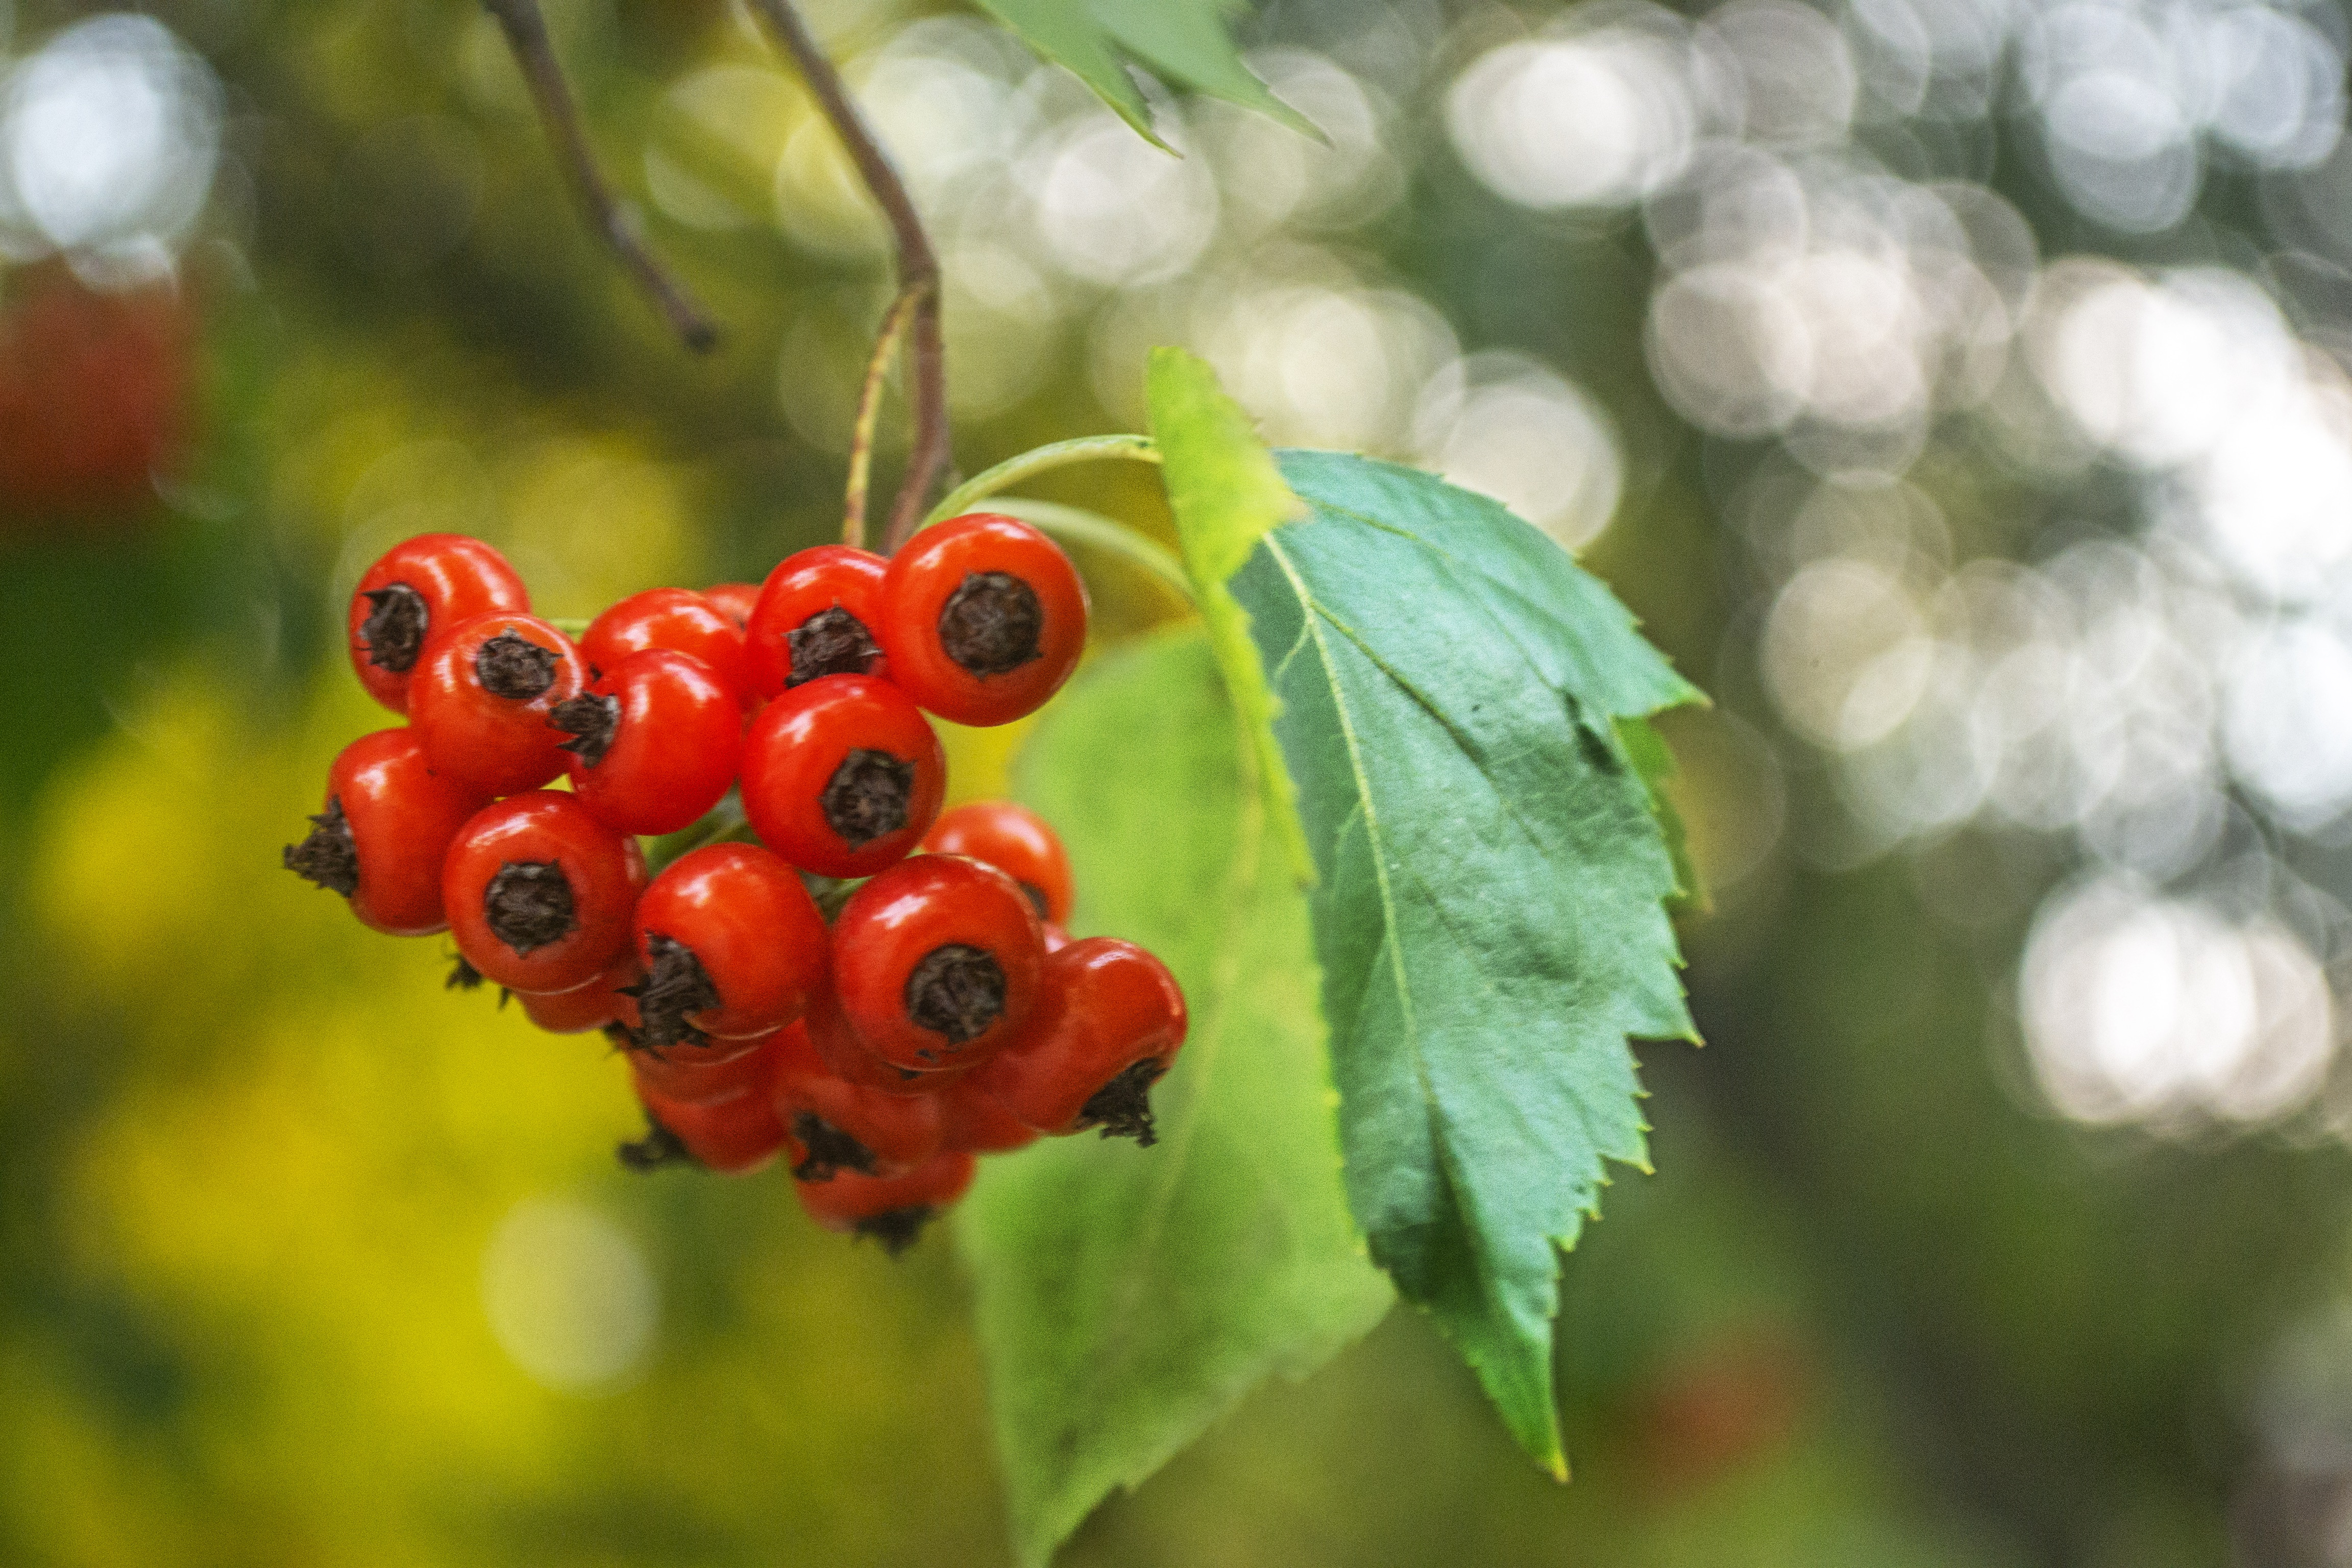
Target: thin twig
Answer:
[[526, 31], [869, 414], [919, 268]]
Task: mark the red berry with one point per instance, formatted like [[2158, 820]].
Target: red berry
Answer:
[[1108, 1021], [983, 617], [815, 618], [891, 1209], [1056, 939], [482, 696], [94, 394], [935, 960], [654, 742], [734, 1136], [734, 600], [842, 1126], [732, 946], [671, 618], [594, 1005], [850, 1059], [843, 776], [970, 1119], [388, 825], [702, 1081], [1016, 841], [540, 892], [419, 589]]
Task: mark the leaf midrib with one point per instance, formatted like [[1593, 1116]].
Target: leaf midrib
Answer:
[[1313, 612], [1310, 613]]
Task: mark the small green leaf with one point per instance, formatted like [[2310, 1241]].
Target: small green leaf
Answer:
[[1226, 494], [1489, 918], [1129, 1297], [1185, 41]]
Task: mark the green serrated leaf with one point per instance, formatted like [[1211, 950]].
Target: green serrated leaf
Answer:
[[1655, 761], [1226, 494], [1489, 909], [1128, 1296], [1184, 41]]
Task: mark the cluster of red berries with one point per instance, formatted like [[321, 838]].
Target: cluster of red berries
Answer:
[[941, 1012]]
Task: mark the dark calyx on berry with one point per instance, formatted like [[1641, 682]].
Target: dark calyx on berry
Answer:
[[1122, 1108], [464, 977], [896, 1229], [328, 856], [515, 668], [957, 990], [393, 632], [675, 986], [992, 623], [866, 797], [529, 904], [831, 642], [591, 722], [830, 1150], [657, 1148]]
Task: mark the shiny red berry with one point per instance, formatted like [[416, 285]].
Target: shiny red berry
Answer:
[[540, 892], [733, 600], [389, 821], [654, 741], [482, 699], [734, 1136], [701, 1081], [732, 946], [842, 776], [844, 1127], [815, 618], [971, 1120], [1016, 841], [893, 1210], [419, 589], [983, 617], [674, 619], [851, 1060], [1110, 1019], [595, 1005], [935, 960]]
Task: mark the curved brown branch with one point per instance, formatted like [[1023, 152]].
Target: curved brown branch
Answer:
[[919, 268], [526, 31]]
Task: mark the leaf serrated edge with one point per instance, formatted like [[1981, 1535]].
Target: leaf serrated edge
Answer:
[[1541, 1437], [1500, 1361]]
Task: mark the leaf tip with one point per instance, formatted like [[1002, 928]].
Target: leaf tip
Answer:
[[1137, 114]]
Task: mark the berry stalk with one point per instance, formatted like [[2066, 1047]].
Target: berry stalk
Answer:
[[1040, 460], [918, 264]]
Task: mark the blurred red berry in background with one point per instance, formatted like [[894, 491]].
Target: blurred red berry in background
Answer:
[[94, 392]]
